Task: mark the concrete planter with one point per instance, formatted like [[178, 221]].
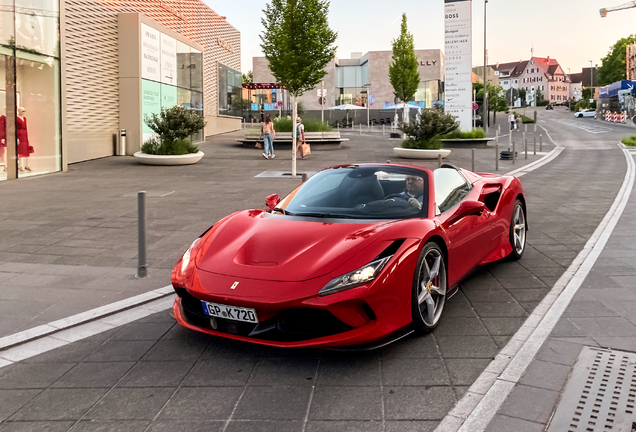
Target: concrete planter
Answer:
[[420, 154], [165, 160]]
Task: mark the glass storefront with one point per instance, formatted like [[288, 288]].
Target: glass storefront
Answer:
[[30, 128], [188, 91], [230, 91]]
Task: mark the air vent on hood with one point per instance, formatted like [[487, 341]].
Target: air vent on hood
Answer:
[[391, 250]]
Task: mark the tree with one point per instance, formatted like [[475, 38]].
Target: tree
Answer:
[[424, 134], [248, 77], [497, 100], [522, 95], [298, 44], [614, 63], [403, 74]]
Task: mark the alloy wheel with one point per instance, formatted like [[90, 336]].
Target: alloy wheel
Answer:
[[431, 293]]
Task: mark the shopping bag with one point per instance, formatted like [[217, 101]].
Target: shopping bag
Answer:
[[259, 145], [305, 150]]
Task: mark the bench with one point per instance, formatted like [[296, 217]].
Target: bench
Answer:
[[325, 140]]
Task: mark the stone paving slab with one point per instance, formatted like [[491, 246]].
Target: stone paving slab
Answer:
[[287, 389]]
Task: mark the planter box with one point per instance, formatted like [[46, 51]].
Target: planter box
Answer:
[[420, 154], [187, 159], [467, 143], [326, 140]]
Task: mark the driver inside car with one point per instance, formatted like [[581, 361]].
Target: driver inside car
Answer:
[[414, 192]]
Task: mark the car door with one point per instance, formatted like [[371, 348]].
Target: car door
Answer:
[[469, 236]]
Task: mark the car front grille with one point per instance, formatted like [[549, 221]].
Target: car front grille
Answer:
[[292, 325]]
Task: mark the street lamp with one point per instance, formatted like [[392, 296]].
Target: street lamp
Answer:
[[485, 104], [591, 74]]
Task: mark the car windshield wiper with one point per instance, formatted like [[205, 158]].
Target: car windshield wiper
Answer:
[[283, 211], [325, 215]]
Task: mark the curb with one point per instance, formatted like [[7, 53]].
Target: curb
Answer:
[[54, 327]]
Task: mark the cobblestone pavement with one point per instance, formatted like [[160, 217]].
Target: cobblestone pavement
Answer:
[[68, 241], [154, 375]]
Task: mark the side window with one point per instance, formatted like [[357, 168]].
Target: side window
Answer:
[[450, 188]]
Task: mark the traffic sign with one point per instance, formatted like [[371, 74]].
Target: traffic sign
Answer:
[[280, 104], [475, 106], [322, 101]]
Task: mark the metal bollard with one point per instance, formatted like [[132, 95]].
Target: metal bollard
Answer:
[[439, 161], [526, 128], [535, 145], [497, 155], [525, 147], [514, 153], [304, 178], [535, 128], [540, 142], [473, 157], [525, 140], [142, 266]]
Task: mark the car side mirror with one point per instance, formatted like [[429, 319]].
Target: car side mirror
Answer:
[[272, 201], [466, 208]]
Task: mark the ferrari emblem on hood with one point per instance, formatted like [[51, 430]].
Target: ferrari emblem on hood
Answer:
[[234, 285]]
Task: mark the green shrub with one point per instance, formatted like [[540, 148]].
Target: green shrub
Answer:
[[311, 125], [457, 134], [629, 141], [175, 123], [154, 146], [424, 134], [524, 119]]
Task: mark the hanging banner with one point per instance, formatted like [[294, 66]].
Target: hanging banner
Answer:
[[458, 54]]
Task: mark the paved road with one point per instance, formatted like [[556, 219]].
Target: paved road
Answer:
[[154, 375]]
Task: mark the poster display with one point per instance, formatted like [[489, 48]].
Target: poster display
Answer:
[[458, 54], [168, 60], [150, 53], [150, 104], [168, 96]]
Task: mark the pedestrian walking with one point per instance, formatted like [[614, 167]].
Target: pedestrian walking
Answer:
[[269, 134], [511, 120], [519, 122], [300, 137]]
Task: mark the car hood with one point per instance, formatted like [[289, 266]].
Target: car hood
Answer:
[[259, 245]]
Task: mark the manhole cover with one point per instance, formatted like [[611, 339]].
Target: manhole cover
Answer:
[[600, 394]]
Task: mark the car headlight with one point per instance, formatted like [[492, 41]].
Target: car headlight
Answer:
[[186, 256], [355, 278]]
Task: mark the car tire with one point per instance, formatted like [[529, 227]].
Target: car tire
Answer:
[[518, 230], [430, 286]]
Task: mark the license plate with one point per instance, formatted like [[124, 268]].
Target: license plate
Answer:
[[229, 312]]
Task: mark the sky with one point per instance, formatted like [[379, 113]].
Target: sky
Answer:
[[571, 31]]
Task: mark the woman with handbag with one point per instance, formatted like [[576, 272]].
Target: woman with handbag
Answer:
[[301, 144], [269, 134]]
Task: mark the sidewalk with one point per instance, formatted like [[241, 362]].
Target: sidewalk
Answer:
[[68, 241], [602, 314]]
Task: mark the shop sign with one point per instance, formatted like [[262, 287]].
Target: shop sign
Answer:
[[458, 54], [428, 62], [168, 60], [150, 53], [225, 44]]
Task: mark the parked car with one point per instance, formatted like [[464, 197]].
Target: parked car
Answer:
[[358, 255], [585, 113]]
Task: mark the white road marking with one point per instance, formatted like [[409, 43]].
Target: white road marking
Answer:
[[484, 398], [583, 125], [103, 312]]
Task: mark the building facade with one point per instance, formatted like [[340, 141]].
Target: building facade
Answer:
[[365, 78], [69, 65]]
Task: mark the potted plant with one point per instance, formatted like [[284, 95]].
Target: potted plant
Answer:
[[171, 145], [423, 135]]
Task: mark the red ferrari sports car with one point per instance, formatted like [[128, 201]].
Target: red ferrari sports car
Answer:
[[355, 256]]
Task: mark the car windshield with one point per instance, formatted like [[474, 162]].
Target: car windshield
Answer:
[[360, 192]]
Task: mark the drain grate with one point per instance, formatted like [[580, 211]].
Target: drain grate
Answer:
[[599, 395]]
